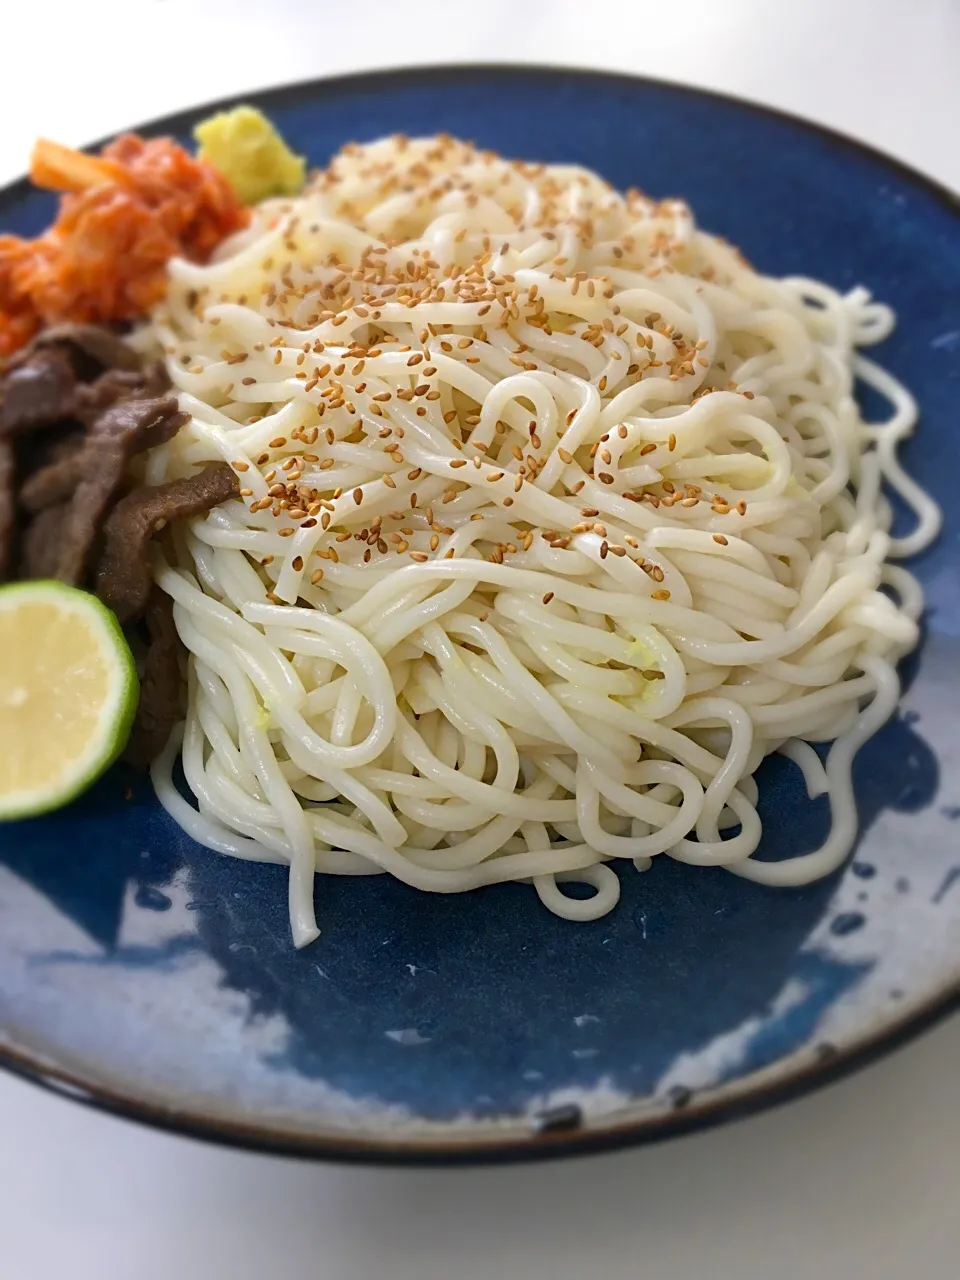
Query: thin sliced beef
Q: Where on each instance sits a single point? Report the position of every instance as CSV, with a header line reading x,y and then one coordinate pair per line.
x,y
156,380
39,392
60,473
40,448
69,371
123,574
57,478
161,685
75,407
128,428
40,542
90,343
93,398
8,505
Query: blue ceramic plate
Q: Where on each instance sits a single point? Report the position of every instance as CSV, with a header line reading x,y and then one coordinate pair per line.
x,y
150,976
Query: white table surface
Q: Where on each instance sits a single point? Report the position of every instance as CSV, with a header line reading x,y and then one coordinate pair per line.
x,y
861,1180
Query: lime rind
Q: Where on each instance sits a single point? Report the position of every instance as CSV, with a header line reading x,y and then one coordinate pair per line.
x,y
115,717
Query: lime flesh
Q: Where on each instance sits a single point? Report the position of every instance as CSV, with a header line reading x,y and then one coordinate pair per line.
x,y
68,695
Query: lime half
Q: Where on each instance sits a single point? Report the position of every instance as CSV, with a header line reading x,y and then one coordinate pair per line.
x,y
68,694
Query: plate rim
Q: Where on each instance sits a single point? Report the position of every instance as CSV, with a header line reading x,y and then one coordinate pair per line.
x,y
748,1095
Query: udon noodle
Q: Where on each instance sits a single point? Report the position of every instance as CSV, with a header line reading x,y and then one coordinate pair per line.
x,y
557,518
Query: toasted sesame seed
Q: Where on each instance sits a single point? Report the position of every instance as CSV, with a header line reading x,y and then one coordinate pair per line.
x,y
660,595
718,537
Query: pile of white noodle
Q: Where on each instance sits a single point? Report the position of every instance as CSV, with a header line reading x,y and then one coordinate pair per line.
x,y
556,519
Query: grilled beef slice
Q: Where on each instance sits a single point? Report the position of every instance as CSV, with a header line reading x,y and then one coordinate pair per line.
x,y
128,428
40,391
123,577
161,685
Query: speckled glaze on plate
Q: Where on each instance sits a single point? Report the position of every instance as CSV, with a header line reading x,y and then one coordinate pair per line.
x,y
152,977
